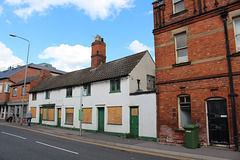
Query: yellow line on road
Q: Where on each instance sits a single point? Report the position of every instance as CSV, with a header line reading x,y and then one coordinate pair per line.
x,y
103,145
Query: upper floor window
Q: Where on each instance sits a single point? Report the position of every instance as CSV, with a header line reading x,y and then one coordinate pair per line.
x,y
184,108
87,89
237,33
14,92
7,88
150,82
34,96
181,47
24,90
178,6
69,92
115,85
47,95
1,87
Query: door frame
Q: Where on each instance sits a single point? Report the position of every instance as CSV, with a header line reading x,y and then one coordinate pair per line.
x,y
130,118
207,124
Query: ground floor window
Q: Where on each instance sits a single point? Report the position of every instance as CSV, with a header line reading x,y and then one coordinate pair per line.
x,y
87,115
69,116
184,107
48,113
115,115
33,110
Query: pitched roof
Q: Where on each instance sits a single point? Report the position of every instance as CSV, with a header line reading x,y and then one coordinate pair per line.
x,y
114,69
28,80
47,67
11,71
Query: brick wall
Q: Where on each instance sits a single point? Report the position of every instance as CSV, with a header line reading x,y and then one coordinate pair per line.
x,y
206,73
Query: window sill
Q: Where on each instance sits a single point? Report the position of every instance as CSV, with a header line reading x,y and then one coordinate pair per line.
x,y
87,95
114,124
179,130
86,123
68,96
114,91
181,64
178,13
68,124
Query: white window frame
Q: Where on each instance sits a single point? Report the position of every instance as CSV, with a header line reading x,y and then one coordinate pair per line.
x,y
235,34
174,3
14,92
180,48
180,105
7,88
1,88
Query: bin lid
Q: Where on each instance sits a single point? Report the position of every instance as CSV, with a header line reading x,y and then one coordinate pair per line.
x,y
190,126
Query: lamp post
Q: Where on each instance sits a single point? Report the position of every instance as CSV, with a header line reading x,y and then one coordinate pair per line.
x,y
24,86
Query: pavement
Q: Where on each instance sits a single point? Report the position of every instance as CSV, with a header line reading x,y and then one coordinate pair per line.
x,y
111,141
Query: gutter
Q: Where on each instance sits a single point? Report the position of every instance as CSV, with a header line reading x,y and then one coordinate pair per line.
x,y
232,94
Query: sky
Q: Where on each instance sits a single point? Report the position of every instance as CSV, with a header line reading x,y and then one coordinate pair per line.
x,y
61,31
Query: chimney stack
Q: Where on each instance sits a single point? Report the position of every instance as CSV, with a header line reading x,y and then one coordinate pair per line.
x,y
98,52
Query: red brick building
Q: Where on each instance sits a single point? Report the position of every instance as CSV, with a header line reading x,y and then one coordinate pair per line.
x,y
197,52
12,79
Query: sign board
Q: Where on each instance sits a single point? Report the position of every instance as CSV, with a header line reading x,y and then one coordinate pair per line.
x,y
80,115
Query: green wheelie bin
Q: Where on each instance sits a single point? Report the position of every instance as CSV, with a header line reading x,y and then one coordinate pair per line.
x,y
191,136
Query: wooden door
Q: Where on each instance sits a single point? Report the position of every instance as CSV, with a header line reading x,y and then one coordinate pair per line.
x,y
218,122
134,122
101,120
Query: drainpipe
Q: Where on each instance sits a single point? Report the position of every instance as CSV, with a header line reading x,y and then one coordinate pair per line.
x,y
232,94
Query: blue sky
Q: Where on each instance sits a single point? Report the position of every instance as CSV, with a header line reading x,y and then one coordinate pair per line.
x,y
61,31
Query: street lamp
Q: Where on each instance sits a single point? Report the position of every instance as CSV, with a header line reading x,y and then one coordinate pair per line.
x,y
24,86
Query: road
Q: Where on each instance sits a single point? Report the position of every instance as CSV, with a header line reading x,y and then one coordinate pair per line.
x,y
21,144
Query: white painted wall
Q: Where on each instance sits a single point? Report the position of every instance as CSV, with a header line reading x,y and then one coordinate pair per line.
x,y
147,113
145,67
101,97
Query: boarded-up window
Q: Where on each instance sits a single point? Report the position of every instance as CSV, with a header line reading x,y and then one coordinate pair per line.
x,y
33,110
114,115
51,114
69,115
48,113
87,115
44,110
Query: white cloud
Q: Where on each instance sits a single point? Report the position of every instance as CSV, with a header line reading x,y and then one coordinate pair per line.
x,y
136,46
67,58
93,8
150,12
7,58
1,10
9,22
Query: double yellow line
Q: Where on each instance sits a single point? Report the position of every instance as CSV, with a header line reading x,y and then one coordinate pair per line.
x,y
99,144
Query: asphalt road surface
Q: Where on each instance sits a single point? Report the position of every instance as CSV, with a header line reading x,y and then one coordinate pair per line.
x,y
20,144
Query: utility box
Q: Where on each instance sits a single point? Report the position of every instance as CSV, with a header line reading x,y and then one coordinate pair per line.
x,y
191,136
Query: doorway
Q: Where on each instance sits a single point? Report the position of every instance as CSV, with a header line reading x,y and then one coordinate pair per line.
x,y
218,122
134,122
40,115
101,120
59,116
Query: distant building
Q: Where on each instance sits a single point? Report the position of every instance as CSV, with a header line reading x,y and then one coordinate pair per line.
x,y
197,51
118,96
11,100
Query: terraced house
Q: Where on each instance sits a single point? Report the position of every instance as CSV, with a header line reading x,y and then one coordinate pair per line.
x,y
117,97
197,45
11,86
